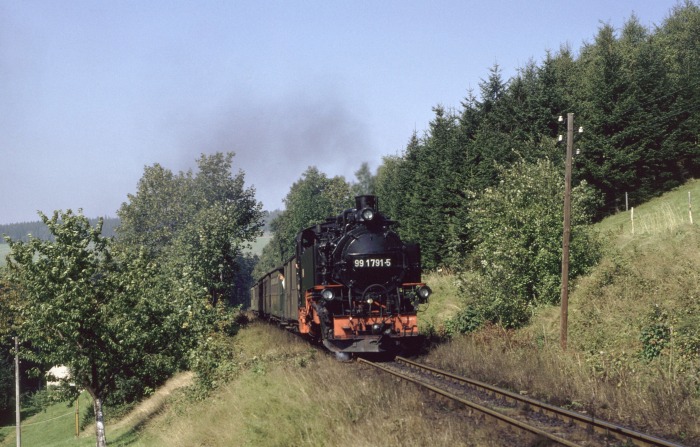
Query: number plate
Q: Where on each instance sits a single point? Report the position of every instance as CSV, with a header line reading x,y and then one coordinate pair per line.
x,y
373,263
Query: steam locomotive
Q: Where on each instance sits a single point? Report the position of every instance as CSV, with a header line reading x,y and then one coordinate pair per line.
x,y
352,284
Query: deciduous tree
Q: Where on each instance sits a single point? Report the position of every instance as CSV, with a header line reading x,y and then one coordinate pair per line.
x,y
196,225
310,200
517,227
103,315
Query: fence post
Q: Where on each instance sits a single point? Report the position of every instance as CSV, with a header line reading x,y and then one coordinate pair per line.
x,y
690,210
632,217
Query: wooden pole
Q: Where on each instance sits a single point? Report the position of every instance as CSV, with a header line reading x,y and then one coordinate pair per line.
x,y
77,416
567,232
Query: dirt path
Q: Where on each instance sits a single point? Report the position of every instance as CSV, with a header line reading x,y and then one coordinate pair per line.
x,y
151,406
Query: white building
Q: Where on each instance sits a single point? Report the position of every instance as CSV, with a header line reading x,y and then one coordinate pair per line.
x,y
56,374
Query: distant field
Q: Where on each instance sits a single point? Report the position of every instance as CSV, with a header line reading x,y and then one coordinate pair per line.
x,y
4,250
256,249
260,243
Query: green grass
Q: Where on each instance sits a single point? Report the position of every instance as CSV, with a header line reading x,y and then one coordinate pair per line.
x,y
259,243
52,427
55,426
658,216
444,303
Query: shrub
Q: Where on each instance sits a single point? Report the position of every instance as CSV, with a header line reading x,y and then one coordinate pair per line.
x,y
517,247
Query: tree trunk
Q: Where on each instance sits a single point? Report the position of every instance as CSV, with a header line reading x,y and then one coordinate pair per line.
x,y
99,422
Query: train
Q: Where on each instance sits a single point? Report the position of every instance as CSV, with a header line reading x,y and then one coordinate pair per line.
x,y
352,285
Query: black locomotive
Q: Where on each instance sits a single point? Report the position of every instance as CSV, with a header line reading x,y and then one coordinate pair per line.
x,y
353,284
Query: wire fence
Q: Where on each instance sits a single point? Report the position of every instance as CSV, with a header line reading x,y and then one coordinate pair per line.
x,y
28,424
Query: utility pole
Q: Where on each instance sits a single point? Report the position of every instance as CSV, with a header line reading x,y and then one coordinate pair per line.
x,y
17,413
567,231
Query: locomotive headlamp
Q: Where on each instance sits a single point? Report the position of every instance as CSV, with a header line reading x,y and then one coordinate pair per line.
x,y
424,292
367,214
327,294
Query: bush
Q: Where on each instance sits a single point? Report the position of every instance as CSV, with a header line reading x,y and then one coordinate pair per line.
x,y
517,247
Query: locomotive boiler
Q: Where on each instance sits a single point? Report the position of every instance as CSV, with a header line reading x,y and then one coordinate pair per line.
x,y
352,284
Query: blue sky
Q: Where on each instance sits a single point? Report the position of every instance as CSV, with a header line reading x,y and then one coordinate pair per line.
x,y
91,92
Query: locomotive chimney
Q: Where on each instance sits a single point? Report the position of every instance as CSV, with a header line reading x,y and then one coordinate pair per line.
x,y
362,202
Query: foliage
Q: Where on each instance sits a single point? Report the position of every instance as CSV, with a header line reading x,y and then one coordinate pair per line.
x,y
196,226
634,92
656,335
97,311
365,181
467,320
517,246
310,200
11,303
124,316
214,363
388,186
672,332
7,383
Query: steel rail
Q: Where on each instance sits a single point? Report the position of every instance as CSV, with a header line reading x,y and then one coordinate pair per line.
x,y
599,425
480,408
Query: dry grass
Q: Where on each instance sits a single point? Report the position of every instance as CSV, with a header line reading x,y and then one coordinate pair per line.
x,y
604,372
289,394
647,400
150,407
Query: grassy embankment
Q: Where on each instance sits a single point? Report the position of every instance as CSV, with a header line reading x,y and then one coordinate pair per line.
x,y
634,329
53,425
285,393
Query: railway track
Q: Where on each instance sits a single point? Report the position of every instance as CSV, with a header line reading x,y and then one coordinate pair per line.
x,y
556,424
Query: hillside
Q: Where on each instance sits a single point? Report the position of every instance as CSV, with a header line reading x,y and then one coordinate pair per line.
x,y
633,327
605,371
